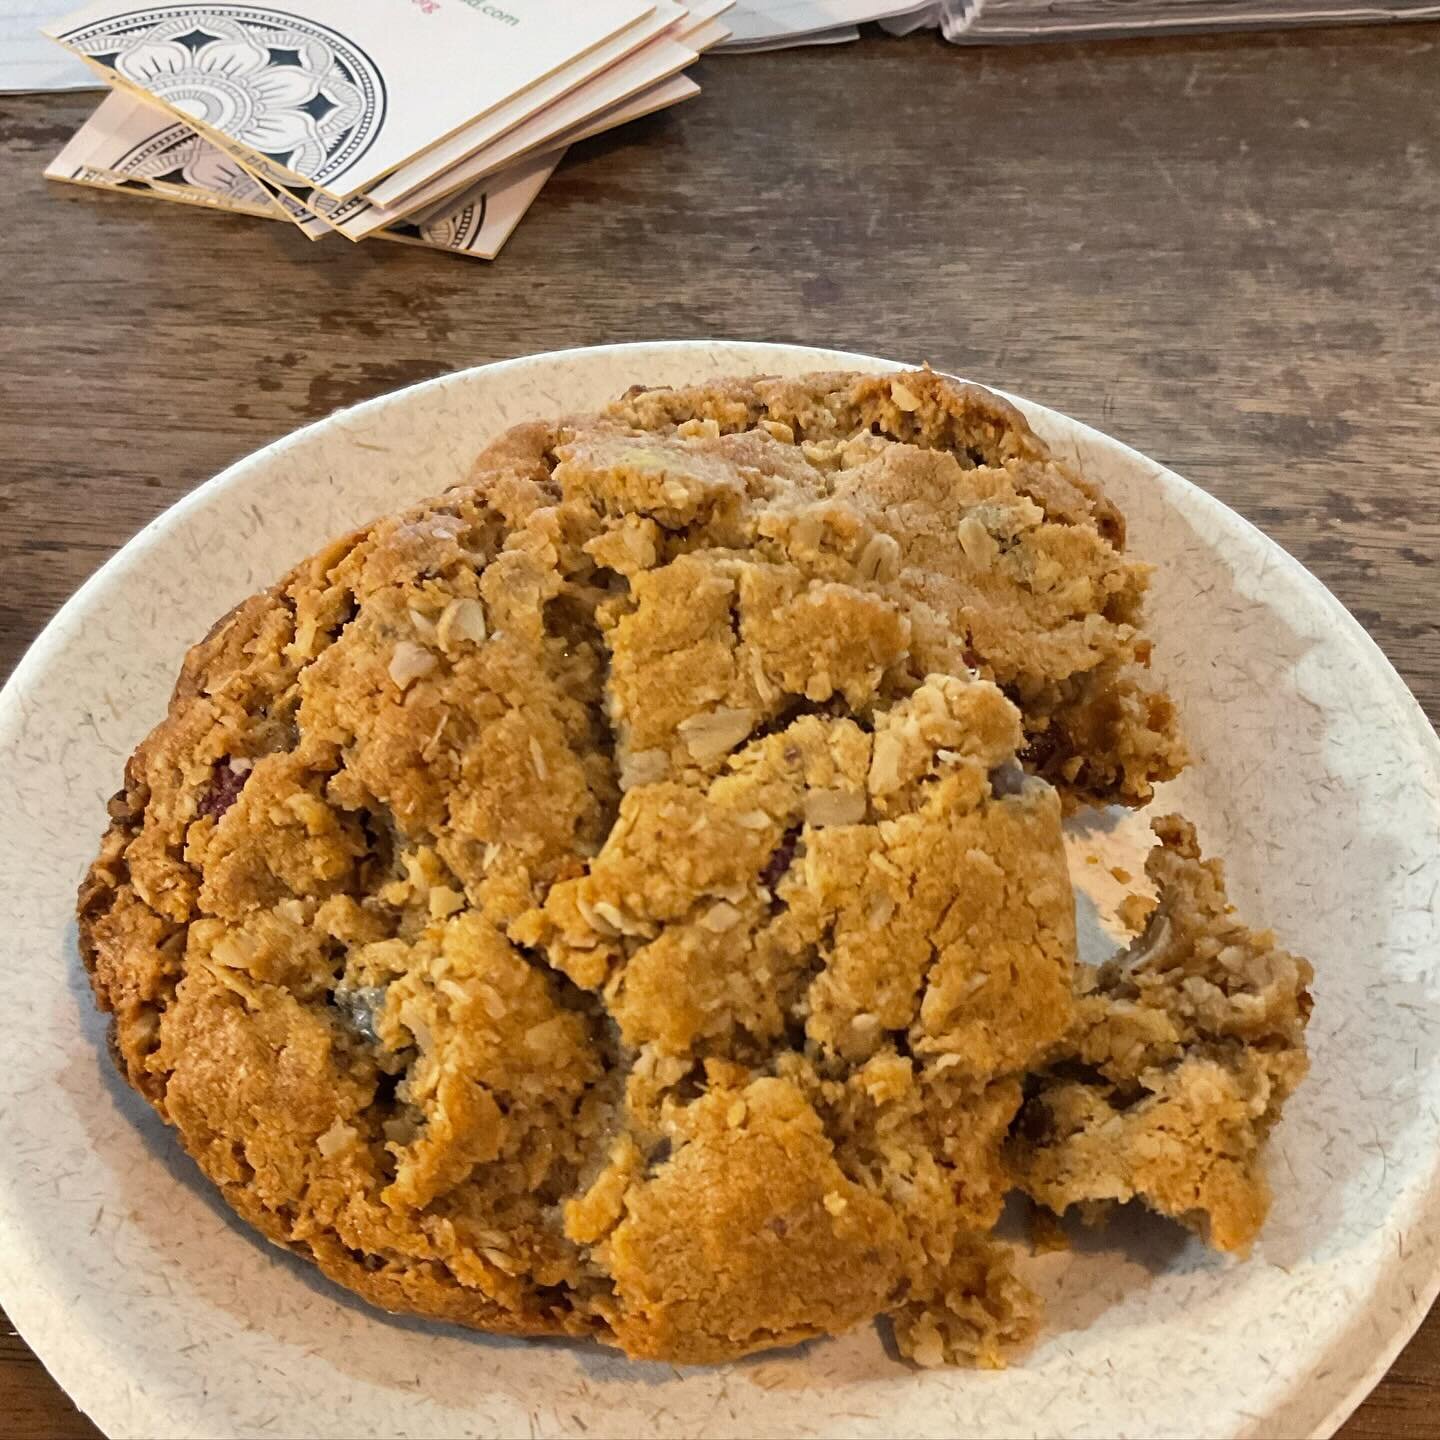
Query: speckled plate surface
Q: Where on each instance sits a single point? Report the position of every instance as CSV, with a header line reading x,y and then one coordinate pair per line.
x,y
1317,778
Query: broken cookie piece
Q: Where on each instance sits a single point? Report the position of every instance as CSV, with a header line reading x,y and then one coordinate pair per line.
x,y
1182,1052
975,1311
1012,561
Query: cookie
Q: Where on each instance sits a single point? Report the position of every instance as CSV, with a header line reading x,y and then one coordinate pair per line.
x,y
609,899
1182,1052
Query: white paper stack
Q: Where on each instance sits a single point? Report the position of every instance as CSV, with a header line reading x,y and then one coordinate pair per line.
x,y
782,24
776,24
984,22
428,122
28,59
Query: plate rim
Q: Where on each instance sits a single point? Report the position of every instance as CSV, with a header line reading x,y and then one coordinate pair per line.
x,y
1404,1321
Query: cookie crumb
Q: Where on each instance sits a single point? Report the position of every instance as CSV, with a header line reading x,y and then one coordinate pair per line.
x,y
1046,1234
1134,910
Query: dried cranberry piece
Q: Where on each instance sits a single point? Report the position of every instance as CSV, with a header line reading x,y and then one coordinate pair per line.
x,y
226,784
778,863
1034,1123
1041,749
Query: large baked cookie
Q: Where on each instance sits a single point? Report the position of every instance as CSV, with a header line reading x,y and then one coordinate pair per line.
x,y
606,900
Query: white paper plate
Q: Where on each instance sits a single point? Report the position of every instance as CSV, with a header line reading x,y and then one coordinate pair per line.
x,y
1318,779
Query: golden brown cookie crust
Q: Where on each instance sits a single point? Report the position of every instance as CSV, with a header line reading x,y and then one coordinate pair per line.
x,y
604,899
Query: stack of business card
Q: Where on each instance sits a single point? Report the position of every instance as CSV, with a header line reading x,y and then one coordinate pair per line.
x,y
430,122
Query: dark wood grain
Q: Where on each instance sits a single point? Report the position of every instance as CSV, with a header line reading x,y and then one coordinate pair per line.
x,y
32,1405
1223,251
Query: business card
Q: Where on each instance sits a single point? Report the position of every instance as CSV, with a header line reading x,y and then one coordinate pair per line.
x,y
338,93
130,146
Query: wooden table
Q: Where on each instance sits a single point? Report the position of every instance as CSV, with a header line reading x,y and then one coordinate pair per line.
x,y
1225,251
